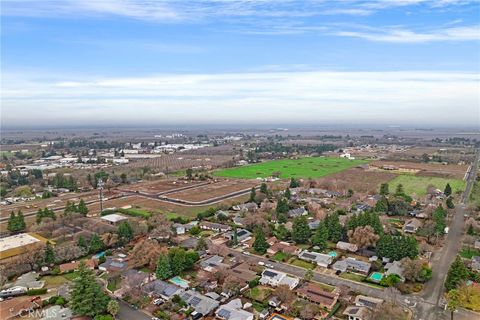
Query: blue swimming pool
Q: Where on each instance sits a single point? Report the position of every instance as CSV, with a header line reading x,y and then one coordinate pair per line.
x,y
180,282
332,254
376,276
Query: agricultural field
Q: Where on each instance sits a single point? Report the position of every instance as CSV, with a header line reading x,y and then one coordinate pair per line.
x,y
357,179
175,162
310,167
418,185
212,190
155,187
423,169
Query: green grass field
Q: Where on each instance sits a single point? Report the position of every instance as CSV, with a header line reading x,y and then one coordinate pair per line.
x,y
314,167
418,185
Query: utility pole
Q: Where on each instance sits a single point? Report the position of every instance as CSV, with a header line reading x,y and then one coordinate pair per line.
x,y
100,185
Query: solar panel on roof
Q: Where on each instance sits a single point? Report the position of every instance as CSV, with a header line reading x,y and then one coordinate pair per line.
x,y
354,310
241,233
224,313
309,256
169,291
195,301
269,273
187,296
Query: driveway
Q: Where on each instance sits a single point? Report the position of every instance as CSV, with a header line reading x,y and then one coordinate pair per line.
x,y
128,313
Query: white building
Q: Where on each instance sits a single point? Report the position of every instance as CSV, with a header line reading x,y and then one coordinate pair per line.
x,y
277,278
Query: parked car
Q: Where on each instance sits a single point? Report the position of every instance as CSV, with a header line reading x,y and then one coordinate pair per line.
x,y
261,263
158,302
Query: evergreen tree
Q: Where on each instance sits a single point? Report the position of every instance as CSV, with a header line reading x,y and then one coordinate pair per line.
x,y
448,190
300,230
384,189
82,207
253,195
235,236
177,258
397,247
49,257
21,221
96,244
87,297
381,205
320,237
282,206
399,189
125,233
335,229
260,244
264,189
82,243
16,222
12,220
164,270
457,273
294,183
281,232
449,203
123,177
288,194
439,217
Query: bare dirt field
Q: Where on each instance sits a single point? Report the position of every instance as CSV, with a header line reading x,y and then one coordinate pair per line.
x,y
178,161
213,190
357,179
424,169
155,187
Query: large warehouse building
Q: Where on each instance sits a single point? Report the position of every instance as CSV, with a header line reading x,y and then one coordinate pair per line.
x,y
20,243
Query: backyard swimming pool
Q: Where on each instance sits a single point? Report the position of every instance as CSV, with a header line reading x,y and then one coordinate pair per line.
x,y
332,254
376,276
180,282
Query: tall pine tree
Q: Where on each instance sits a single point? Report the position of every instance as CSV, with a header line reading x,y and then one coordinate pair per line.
x,y
87,297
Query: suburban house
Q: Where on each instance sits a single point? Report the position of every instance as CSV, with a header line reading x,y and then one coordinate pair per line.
x,y
352,264
114,218
250,206
277,278
211,263
347,246
369,302
202,305
233,311
395,267
242,235
242,273
218,227
476,263
13,309
293,213
162,289
71,266
112,265
314,293
283,247
272,240
356,313
412,225
477,244
135,277
321,259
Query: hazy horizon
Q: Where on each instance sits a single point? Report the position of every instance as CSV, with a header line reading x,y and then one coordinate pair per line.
x,y
72,63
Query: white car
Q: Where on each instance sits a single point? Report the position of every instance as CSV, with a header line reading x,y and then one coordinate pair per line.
x,y
270,266
246,253
261,263
157,302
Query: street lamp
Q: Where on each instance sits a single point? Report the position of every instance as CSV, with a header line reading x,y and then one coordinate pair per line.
x,y
100,185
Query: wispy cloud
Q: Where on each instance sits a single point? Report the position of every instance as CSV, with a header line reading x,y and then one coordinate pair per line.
x,y
401,35
299,96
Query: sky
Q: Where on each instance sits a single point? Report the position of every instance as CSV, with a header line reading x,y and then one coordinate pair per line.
x,y
164,62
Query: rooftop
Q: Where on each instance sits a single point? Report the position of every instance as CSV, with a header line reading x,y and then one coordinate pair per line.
x,y
114,217
8,244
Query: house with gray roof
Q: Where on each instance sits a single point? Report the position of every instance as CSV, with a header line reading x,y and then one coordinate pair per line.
x,y
276,278
210,263
322,260
112,265
242,235
233,311
293,213
352,264
395,267
202,305
162,289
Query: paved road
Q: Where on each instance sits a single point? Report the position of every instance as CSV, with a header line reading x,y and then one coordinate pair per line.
x,y
128,313
430,302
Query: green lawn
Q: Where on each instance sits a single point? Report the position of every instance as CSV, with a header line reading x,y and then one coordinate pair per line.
x,y
136,212
54,280
309,167
468,253
352,276
302,264
113,284
280,256
71,275
258,293
418,185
